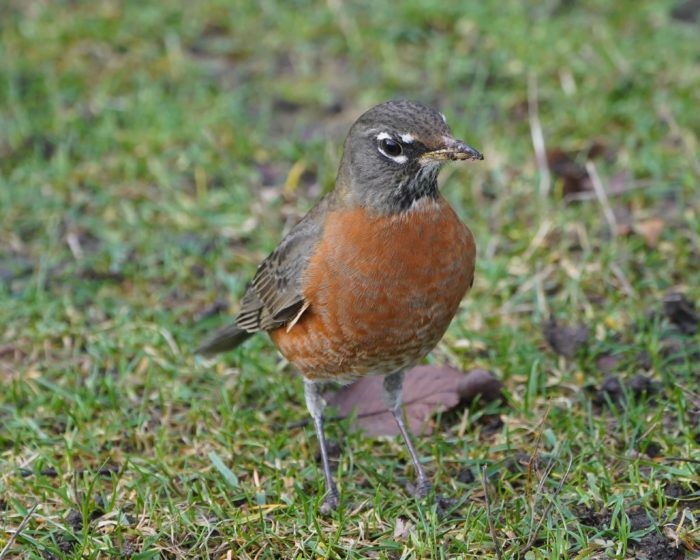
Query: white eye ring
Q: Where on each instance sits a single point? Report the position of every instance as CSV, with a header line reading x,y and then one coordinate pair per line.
x,y
387,146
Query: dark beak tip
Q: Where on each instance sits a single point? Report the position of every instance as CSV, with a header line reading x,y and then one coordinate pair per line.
x,y
473,153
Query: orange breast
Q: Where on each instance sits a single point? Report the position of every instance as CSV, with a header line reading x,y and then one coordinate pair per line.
x,y
382,291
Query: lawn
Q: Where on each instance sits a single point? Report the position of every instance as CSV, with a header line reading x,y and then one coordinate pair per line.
x,y
152,153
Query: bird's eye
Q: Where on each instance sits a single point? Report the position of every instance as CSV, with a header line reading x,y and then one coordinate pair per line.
x,y
390,147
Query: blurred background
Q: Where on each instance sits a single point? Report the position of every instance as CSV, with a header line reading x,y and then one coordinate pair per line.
x,y
152,153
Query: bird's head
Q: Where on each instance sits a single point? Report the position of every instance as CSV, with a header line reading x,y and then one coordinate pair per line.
x,y
393,154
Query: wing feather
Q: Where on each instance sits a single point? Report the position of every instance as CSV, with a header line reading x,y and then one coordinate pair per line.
x,y
274,297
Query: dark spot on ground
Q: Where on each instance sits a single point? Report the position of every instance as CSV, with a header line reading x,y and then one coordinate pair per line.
x,y
592,516
652,545
614,391
569,169
608,363
465,476
643,359
490,424
652,449
101,275
656,546
610,390
286,105
642,385
639,519
688,11
75,520
676,351
681,312
65,544
573,175
446,507
566,340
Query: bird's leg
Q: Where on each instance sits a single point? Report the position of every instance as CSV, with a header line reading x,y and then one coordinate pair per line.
x,y
316,404
393,388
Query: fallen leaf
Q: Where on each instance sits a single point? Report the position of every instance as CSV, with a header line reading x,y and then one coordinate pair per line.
x,y
402,528
426,390
650,230
573,175
569,168
681,312
566,340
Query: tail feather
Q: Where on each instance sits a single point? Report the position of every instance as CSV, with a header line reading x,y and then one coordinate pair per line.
x,y
226,339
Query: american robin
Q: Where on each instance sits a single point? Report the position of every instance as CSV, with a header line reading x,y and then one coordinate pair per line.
x,y
369,280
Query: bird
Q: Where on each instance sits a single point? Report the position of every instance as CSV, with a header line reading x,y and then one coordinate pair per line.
x,y
370,278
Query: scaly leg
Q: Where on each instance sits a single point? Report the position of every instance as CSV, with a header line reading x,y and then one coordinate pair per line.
x,y
393,388
316,404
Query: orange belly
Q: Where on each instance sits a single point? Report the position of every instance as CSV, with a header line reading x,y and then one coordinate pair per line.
x,y
381,290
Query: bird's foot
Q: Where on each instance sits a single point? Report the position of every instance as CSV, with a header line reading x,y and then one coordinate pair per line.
x,y
421,489
330,503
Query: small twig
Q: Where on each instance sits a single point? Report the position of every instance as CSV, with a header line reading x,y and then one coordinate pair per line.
x,y
626,286
537,135
13,537
73,242
602,196
682,460
492,529
533,534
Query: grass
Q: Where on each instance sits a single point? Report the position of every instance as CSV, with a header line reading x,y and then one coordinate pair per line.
x,y
151,153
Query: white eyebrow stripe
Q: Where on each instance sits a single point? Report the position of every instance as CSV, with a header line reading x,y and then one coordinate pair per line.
x,y
407,138
398,159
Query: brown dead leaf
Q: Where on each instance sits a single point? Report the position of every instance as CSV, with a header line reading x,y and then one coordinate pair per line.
x,y
426,390
573,175
566,340
651,230
569,168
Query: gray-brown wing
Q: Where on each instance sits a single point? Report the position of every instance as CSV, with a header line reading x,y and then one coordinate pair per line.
x,y
274,296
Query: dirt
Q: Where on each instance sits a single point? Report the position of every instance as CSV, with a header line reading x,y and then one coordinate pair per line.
x,y
681,312
615,390
653,545
566,340
465,476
